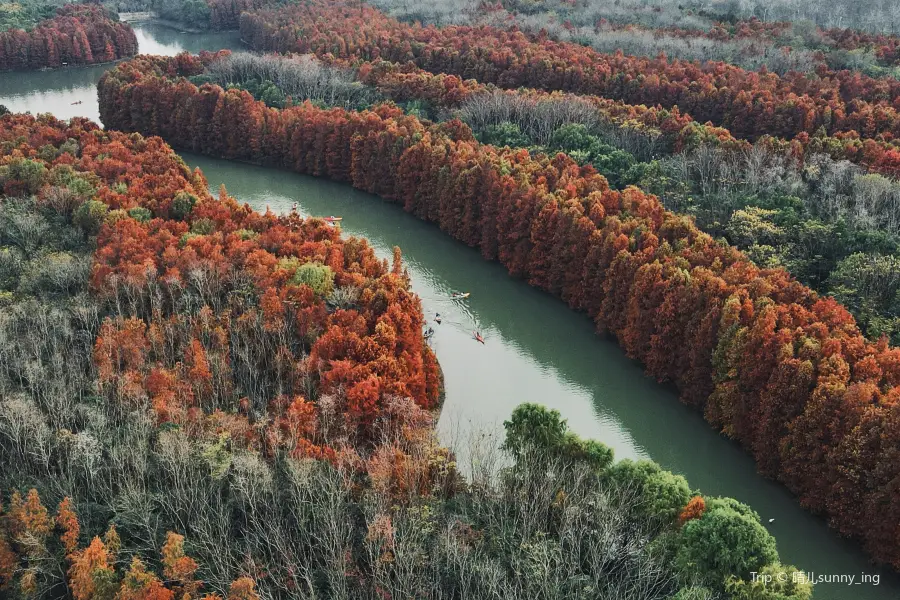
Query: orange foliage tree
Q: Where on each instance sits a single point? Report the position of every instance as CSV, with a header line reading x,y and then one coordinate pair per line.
x,y
79,34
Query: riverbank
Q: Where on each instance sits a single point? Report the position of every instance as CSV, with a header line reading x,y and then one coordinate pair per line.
x,y
538,351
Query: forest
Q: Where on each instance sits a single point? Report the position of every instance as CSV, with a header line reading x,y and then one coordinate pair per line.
x,y
25,15
876,17
199,400
216,15
209,402
822,219
749,103
72,35
768,361
750,38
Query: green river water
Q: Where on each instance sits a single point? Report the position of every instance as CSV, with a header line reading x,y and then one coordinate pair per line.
x,y
536,349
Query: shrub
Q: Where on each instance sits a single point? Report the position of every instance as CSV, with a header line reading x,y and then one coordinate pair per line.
x,y
54,273
203,226
182,205
728,539
11,265
660,495
90,215
140,214
534,428
22,177
183,240
317,276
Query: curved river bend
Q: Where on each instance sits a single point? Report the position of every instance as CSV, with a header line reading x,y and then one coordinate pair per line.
x,y
536,349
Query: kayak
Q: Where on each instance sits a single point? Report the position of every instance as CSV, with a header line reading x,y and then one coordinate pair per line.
x,y
332,219
478,337
461,296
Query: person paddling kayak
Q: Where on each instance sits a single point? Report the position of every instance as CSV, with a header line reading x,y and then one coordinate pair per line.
x,y
437,318
459,295
478,336
428,333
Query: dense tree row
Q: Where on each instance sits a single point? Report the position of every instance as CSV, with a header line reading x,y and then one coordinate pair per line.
x,y
748,44
154,377
886,48
781,369
647,132
198,15
750,104
881,46
819,218
77,35
869,15
779,45
670,130
679,31
784,204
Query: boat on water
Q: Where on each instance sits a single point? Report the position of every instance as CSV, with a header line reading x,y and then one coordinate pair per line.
x,y
332,219
460,295
478,337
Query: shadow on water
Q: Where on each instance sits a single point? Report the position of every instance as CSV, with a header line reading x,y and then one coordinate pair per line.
x,y
537,350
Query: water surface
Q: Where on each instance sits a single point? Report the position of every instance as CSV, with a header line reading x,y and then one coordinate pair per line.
x,y
57,91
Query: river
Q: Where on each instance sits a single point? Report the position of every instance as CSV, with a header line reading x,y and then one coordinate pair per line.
x,y
57,91
535,350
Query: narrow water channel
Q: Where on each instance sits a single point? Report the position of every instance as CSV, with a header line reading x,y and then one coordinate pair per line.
x,y
72,92
536,349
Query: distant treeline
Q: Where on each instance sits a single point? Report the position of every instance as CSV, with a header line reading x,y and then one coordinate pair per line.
x,y
77,34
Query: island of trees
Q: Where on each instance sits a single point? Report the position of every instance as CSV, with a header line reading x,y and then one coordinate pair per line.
x,y
36,36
